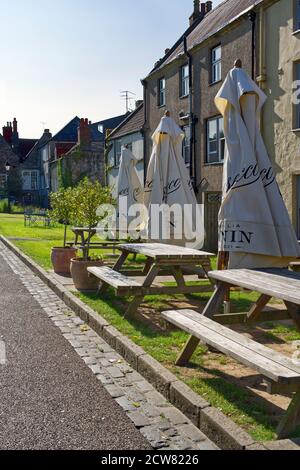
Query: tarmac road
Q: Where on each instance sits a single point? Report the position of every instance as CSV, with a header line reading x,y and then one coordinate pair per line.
x,y
49,398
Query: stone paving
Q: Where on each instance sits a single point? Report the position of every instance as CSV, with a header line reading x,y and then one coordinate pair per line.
x,y
160,423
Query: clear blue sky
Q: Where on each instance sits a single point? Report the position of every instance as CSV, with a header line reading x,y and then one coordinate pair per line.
x,y
62,58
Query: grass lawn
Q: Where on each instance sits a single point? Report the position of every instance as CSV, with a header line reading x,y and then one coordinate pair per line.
x,y
232,399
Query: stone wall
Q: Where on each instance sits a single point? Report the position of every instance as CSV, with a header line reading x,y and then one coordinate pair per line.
x,y
282,51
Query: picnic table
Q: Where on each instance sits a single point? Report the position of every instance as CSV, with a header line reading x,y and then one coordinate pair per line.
x,y
281,373
83,237
159,261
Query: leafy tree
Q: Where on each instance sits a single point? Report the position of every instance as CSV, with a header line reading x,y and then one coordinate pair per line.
x,y
90,196
64,208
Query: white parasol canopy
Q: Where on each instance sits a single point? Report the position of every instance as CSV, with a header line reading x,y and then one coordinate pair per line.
x,y
254,224
169,185
130,191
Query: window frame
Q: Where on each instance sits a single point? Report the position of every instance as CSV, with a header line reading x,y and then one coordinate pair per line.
x,y
184,82
161,92
296,107
33,187
296,16
3,181
117,153
219,140
214,64
186,146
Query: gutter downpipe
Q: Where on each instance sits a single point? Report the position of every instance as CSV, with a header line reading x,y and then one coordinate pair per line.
x,y
144,133
252,17
193,171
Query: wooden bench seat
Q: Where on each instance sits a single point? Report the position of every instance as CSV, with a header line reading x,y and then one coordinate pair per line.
x,y
122,284
281,372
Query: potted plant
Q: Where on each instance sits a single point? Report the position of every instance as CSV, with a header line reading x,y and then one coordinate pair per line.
x,y
63,204
90,196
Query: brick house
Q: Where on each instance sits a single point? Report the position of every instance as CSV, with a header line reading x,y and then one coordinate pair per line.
x,y
130,133
186,80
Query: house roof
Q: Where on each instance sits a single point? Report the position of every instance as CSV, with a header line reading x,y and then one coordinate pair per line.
x,y
214,21
6,155
132,123
69,133
25,146
46,137
110,124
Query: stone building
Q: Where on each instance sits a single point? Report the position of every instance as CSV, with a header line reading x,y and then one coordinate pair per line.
x,y
24,170
33,174
130,133
279,71
186,80
77,151
6,156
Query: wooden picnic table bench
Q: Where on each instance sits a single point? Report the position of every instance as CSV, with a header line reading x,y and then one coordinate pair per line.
x,y
83,240
160,260
281,373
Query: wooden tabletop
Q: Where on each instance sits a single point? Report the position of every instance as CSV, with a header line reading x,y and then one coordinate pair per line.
x,y
161,251
278,283
83,229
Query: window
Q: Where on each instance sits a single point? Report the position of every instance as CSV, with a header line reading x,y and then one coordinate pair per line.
x,y
298,206
118,152
297,103
162,92
296,15
216,64
3,180
186,146
215,140
184,81
30,180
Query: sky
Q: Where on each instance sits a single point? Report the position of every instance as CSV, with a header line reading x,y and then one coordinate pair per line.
x,y
63,58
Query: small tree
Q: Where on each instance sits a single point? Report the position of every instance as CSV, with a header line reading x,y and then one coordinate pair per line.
x,y
64,206
90,196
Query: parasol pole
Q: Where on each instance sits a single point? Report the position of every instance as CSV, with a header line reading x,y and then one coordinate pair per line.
x,y
223,256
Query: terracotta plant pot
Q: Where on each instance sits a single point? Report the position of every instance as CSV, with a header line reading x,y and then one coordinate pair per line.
x,y
61,259
80,275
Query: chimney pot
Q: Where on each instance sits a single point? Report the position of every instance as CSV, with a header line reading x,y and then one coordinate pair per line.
x,y
208,6
203,9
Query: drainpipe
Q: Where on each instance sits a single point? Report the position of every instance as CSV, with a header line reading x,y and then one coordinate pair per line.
x,y
252,18
193,170
144,133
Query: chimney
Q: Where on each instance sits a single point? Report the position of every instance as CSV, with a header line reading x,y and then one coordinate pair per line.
x,y
15,126
138,103
208,6
8,133
198,12
84,133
